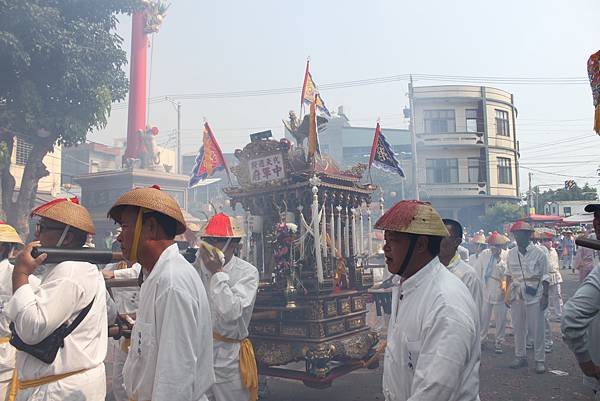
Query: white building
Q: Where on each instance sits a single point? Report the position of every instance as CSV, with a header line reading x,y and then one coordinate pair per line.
x,y
467,149
566,208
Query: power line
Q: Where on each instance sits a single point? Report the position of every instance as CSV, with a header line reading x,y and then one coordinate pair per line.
x,y
557,174
375,81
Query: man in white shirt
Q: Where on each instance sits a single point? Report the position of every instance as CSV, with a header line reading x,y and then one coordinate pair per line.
x,y
433,346
126,300
8,240
555,304
450,258
527,282
232,284
479,244
580,324
66,290
492,265
170,357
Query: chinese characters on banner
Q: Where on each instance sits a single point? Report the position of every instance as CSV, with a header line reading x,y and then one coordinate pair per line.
x,y
266,168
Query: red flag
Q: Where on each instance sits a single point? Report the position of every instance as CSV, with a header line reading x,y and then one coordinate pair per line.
x,y
310,94
382,154
209,160
375,142
313,138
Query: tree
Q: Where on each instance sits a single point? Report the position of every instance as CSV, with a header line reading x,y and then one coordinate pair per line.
x,y
500,214
562,194
60,70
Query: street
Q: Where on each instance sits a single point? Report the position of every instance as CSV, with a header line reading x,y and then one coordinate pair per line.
x,y
497,381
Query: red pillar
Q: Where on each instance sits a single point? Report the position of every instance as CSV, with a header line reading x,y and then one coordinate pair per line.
x,y
137,86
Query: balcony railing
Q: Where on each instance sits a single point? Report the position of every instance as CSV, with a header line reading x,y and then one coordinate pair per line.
x,y
456,189
450,138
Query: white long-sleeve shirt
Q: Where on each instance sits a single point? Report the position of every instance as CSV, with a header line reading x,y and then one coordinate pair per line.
x,y
65,289
554,275
126,298
492,293
7,351
232,293
170,357
580,324
470,278
433,348
531,268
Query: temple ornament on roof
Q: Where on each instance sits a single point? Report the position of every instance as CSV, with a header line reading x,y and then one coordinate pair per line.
x,y
155,12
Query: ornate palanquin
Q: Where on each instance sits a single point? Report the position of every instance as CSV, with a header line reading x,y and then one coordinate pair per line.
x,y
306,235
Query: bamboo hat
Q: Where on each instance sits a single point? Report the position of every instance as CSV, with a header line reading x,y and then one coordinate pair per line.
x,y
222,226
413,217
497,239
150,199
9,234
521,226
68,212
478,238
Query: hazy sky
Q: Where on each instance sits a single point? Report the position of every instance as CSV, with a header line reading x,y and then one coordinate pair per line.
x,y
230,46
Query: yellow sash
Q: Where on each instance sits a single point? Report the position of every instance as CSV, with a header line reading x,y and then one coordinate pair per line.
x,y
248,370
16,385
4,340
25,384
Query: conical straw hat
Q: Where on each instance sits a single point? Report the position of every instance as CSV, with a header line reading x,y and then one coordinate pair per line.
x,y
9,234
413,217
223,226
497,239
521,226
67,211
151,198
478,238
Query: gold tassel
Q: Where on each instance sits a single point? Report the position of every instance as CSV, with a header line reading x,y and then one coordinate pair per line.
x,y
597,120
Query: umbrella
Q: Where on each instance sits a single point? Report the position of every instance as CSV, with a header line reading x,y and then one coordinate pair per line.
x,y
580,218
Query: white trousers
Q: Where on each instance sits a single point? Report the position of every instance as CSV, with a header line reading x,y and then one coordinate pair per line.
x,y
119,357
4,386
555,302
229,391
528,318
500,311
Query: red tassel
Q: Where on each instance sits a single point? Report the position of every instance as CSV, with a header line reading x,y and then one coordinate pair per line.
x,y
48,205
155,186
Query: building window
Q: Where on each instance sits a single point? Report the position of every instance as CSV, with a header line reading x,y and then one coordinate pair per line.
x,y
502,123
439,121
472,120
474,163
442,171
23,151
567,211
504,171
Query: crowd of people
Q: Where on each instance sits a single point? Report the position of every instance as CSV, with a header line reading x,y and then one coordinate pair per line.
x,y
190,337
515,277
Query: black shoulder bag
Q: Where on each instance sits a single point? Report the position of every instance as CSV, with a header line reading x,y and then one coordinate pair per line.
x,y
47,349
531,291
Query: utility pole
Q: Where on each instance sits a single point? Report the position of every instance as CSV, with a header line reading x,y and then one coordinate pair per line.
x,y
529,194
178,137
413,137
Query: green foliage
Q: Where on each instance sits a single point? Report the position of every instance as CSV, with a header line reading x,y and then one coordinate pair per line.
x,y
576,193
500,214
61,66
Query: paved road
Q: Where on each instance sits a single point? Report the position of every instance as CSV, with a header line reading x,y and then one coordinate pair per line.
x,y
497,382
